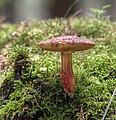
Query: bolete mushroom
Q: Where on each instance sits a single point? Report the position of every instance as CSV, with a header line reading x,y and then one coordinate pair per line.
x,y
66,45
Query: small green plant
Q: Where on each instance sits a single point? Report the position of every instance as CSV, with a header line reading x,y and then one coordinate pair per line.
x,y
100,12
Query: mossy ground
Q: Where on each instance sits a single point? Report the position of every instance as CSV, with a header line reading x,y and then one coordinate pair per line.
x,y
31,86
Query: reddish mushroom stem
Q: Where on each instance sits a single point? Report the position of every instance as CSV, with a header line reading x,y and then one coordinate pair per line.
x,y
68,79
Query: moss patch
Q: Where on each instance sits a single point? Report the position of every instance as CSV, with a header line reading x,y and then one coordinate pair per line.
x,y
31,87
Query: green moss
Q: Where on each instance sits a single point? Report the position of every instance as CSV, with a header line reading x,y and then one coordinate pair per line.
x,y
32,88
5,32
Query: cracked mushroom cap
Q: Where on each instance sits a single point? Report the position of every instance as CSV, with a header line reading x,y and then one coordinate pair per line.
x,y
66,43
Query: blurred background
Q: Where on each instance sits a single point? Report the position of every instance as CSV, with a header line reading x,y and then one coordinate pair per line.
x,y
15,11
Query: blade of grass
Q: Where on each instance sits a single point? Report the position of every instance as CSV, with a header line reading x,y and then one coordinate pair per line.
x,y
109,104
70,7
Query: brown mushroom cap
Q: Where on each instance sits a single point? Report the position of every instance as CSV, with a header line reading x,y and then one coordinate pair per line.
x,y
66,43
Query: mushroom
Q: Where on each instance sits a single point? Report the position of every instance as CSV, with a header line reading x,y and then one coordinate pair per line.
x,y
66,45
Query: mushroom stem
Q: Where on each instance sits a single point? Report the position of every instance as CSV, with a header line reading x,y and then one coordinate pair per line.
x,y
68,79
